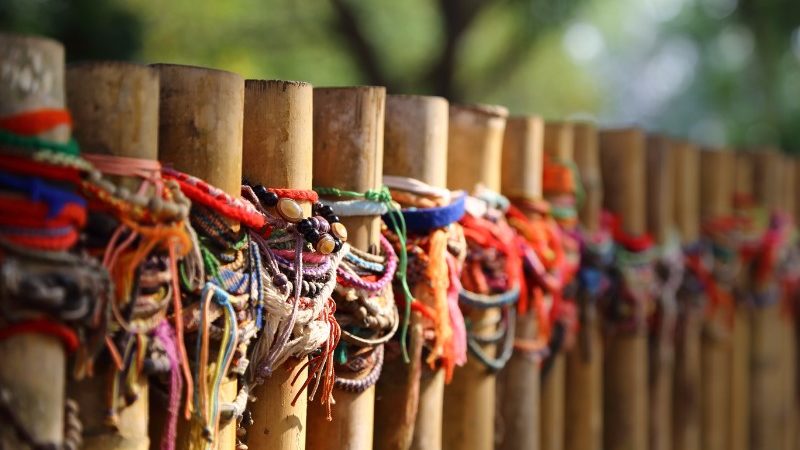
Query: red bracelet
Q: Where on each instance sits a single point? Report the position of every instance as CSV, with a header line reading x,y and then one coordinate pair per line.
x,y
26,166
298,195
43,326
36,122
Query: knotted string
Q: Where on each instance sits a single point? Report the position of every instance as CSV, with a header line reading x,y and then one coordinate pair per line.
x,y
398,223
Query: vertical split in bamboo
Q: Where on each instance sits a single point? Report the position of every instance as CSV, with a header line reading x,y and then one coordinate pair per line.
x,y
661,225
558,146
200,133
518,383
686,405
768,418
348,154
115,110
277,152
408,407
625,411
33,79
583,401
475,141
716,194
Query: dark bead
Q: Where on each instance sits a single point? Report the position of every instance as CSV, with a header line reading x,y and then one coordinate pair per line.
x,y
325,211
266,197
332,218
322,225
305,225
337,246
316,207
280,280
312,236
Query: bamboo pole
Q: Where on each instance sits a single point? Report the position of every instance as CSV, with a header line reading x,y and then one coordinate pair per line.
x,y
686,418
408,407
200,133
348,154
32,78
115,110
583,402
788,322
741,344
625,412
475,141
660,223
277,152
518,384
767,414
716,192
558,145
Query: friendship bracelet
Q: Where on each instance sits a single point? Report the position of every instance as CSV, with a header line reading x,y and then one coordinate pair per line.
x,y
10,139
30,123
422,221
415,186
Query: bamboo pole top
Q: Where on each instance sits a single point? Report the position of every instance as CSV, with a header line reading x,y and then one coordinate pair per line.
x,y
200,123
475,142
717,174
32,78
587,158
768,178
660,188
348,137
521,169
559,140
415,138
789,195
743,173
115,107
277,140
348,149
686,175
622,161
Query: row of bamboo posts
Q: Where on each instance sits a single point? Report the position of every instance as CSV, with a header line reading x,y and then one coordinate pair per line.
x,y
710,384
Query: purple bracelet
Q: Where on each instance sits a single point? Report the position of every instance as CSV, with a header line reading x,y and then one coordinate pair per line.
x,y
348,279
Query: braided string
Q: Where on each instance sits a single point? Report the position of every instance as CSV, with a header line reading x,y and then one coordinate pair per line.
x,y
397,222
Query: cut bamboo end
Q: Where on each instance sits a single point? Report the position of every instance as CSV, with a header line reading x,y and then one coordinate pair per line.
x,y
660,197
622,160
200,123
687,190
115,108
415,140
521,169
587,158
475,142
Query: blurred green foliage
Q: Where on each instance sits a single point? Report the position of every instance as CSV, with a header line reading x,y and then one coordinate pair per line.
x,y
723,72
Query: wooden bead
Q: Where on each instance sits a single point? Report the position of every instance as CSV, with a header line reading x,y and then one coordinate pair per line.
x,y
339,230
290,210
326,244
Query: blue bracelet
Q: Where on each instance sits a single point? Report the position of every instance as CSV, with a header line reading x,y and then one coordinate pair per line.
x,y
38,190
422,221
